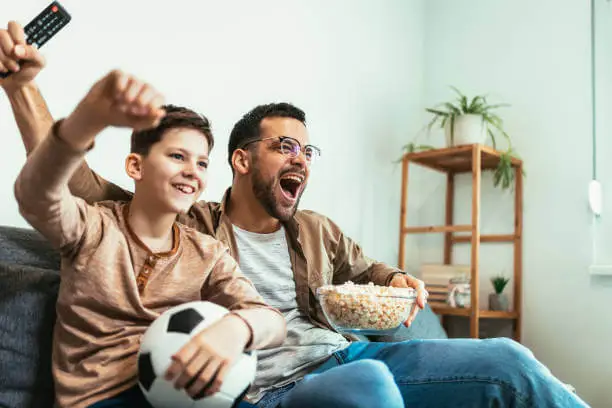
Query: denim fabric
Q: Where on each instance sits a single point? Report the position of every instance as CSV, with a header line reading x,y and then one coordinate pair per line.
x,y
430,373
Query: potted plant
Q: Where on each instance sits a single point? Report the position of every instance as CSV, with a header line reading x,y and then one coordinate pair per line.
x,y
469,121
499,300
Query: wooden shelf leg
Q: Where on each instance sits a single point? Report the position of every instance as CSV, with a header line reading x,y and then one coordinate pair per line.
x,y
518,251
450,198
403,212
476,177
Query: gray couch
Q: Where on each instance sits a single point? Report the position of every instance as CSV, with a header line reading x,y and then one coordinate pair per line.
x,y
29,280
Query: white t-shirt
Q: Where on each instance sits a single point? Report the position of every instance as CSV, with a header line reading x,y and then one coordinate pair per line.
x,y
264,259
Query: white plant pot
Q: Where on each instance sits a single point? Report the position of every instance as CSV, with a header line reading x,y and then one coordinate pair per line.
x,y
469,129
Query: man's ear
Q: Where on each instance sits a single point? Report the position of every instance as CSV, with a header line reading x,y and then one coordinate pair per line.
x,y
133,166
241,161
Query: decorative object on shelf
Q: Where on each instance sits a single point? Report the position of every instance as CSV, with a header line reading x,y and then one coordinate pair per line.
x,y
459,292
467,122
437,277
499,300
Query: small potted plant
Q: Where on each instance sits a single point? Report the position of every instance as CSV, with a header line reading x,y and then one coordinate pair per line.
x,y
469,121
499,300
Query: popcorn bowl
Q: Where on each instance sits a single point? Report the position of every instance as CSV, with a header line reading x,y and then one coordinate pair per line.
x,y
366,309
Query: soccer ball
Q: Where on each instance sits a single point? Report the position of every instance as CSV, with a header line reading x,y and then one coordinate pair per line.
x,y
166,335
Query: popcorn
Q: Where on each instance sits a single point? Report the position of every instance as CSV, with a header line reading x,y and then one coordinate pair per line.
x,y
366,307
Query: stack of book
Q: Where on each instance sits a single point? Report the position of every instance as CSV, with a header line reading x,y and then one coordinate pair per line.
x,y
437,278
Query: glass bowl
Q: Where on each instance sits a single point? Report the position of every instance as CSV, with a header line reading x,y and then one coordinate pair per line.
x,y
366,309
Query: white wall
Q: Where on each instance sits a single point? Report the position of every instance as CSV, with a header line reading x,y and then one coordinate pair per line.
x,y
353,66
602,226
535,56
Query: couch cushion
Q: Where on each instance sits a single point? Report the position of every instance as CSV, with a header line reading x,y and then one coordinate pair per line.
x,y
27,316
27,247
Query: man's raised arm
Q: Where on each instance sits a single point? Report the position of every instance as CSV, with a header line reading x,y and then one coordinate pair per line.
x,y
32,114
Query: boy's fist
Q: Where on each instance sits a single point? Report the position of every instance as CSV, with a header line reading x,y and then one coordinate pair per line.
x,y
119,100
122,100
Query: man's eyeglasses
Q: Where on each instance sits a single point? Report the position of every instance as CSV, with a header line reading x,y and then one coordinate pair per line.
x,y
291,147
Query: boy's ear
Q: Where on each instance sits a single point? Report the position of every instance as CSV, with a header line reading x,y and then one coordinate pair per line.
x,y
133,166
241,161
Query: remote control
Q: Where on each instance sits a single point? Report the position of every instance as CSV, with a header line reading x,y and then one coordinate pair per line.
x,y
44,26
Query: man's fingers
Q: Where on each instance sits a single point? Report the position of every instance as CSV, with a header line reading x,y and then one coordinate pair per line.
x,y
413,313
6,43
6,52
29,54
419,286
16,31
3,68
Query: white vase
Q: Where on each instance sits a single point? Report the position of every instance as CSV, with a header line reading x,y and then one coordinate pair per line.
x,y
469,129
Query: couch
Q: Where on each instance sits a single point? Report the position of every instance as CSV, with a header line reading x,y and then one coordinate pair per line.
x,y
29,281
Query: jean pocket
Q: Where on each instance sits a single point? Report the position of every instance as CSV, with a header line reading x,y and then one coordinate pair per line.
x,y
274,397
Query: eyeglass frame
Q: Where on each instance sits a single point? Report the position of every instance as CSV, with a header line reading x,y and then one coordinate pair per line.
x,y
280,140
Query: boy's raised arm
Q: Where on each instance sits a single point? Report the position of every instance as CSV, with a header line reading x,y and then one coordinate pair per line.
x,y
42,189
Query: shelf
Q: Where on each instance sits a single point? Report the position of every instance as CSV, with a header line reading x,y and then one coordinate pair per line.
x,y
457,159
474,159
440,228
484,314
485,238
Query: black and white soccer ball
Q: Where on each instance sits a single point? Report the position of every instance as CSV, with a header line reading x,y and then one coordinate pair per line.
x,y
166,335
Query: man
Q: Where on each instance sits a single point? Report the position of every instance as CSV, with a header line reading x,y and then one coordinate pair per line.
x,y
289,253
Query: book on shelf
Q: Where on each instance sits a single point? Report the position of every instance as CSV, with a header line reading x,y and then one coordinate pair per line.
x,y
437,278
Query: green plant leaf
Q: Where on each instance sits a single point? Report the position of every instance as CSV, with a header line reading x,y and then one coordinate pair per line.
x,y
437,112
452,130
452,108
477,102
499,283
492,136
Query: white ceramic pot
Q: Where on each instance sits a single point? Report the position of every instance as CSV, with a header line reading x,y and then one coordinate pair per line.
x,y
469,129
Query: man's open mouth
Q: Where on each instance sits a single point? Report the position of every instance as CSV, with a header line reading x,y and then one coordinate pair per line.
x,y
291,184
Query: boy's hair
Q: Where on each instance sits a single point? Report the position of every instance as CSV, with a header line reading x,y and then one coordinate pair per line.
x,y
176,117
247,128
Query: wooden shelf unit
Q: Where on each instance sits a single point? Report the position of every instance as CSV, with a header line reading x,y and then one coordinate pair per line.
x,y
468,159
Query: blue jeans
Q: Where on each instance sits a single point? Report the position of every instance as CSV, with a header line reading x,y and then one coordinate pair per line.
x,y
427,373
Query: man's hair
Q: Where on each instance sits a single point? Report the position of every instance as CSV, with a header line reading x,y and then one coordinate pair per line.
x,y
248,128
176,117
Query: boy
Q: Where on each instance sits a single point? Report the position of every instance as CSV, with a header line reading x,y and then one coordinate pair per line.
x,y
123,264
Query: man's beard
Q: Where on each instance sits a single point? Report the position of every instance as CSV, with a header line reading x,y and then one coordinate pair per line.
x,y
264,192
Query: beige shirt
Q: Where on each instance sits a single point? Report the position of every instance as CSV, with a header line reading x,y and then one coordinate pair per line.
x,y
101,314
319,250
